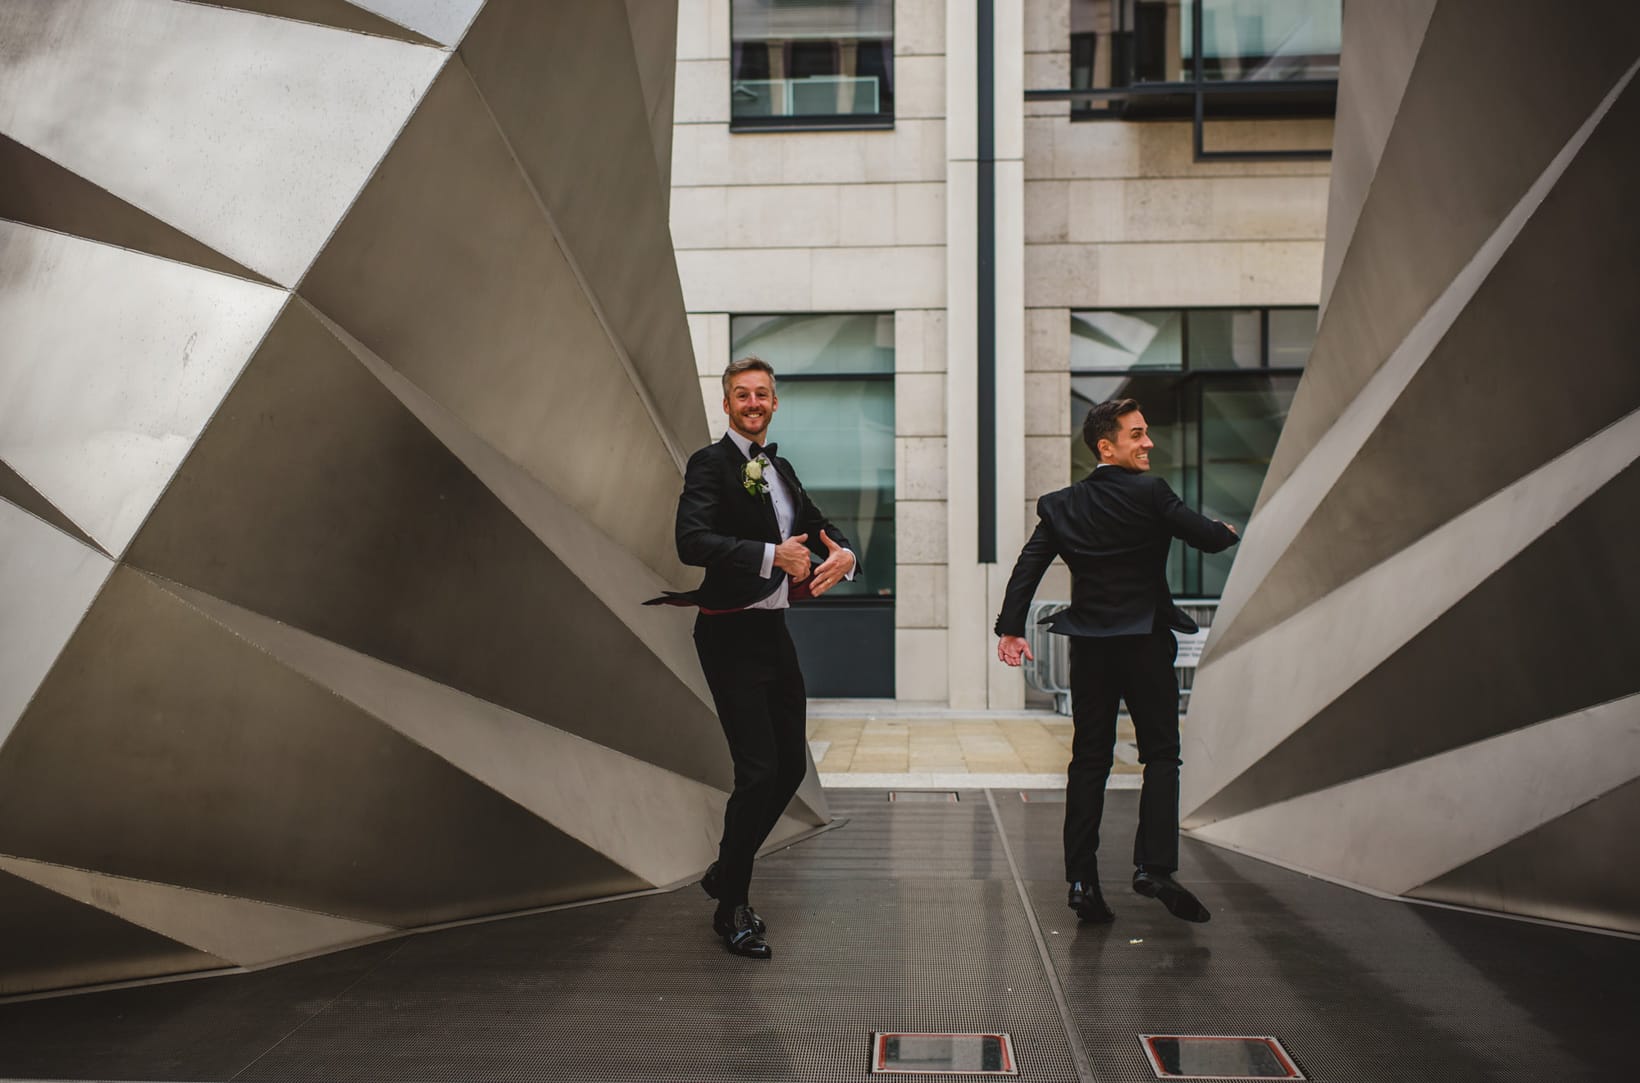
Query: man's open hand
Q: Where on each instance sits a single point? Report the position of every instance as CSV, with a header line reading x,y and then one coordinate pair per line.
x,y
838,563
1012,649
792,557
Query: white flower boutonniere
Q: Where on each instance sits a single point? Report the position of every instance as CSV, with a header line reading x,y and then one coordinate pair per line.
x,y
751,476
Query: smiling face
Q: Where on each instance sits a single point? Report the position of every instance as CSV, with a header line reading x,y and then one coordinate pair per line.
x,y
1130,449
751,403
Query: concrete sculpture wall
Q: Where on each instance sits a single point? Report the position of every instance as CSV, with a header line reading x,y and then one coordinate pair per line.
x,y
1423,677
345,387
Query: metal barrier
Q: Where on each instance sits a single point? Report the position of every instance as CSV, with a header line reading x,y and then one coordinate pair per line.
x,y
1050,670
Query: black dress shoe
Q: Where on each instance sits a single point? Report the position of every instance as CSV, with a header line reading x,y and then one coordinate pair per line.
x,y
1173,895
740,937
1088,903
709,884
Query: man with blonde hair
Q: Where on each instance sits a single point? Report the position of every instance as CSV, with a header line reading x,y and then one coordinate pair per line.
x,y
744,517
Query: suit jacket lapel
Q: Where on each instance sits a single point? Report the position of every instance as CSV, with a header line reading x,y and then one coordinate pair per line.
x,y
737,462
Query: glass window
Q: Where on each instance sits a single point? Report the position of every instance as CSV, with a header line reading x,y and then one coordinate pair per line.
x,y
1119,340
1240,424
811,62
1265,40
1292,335
834,377
1215,409
1150,44
1225,338
810,345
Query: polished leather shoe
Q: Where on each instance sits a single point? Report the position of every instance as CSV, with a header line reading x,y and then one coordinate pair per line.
x,y
709,884
1173,895
1088,903
739,935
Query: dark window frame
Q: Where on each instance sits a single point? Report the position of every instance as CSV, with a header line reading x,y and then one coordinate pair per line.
x,y
1190,385
819,122
1196,97
858,601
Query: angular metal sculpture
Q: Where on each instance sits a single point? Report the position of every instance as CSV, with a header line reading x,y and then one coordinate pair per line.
x,y
345,387
1422,679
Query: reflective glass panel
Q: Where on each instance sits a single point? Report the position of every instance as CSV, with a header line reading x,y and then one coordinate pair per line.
x,y
1292,335
951,1054
1225,338
1250,40
811,345
835,427
1118,340
1240,423
812,58
1188,1057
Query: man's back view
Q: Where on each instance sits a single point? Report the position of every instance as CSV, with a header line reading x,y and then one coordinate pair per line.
x,y
1113,529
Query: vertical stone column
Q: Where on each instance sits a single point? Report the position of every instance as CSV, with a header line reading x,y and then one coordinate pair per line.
x,y
1006,687
995,135
966,578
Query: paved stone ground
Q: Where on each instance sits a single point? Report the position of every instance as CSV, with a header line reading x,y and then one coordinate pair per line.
x,y
861,737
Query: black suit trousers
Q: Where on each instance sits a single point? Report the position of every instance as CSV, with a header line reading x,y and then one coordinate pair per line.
x,y
751,667
1104,671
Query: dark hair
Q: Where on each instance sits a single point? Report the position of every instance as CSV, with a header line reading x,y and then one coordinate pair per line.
x,y
1104,422
746,364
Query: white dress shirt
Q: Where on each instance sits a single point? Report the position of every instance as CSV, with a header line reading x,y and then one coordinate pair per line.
x,y
785,514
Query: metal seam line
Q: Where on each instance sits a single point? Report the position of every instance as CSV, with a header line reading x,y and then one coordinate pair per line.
x,y
1079,1056
985,331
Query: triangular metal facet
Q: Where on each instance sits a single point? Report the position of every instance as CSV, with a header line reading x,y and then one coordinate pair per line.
x,y
245,931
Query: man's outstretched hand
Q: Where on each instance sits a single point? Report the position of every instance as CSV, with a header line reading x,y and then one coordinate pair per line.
x,y
1014,649
838,563
792,557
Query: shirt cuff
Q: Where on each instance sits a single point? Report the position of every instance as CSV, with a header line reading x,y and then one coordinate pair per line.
x,y
768,560
852,567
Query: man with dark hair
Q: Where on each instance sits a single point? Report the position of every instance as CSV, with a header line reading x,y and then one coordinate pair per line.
x,y
1114,528
744,517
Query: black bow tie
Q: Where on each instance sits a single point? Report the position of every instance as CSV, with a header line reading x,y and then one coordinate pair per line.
x,y
754,451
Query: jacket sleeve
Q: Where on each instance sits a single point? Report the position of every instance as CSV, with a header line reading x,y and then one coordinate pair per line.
x,y
698,543
1033,561
1188,525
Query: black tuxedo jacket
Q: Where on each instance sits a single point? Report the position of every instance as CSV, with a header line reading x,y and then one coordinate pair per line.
x,y
1113,528
723,528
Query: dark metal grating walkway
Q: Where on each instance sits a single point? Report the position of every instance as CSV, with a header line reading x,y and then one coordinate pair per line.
x,y
906,919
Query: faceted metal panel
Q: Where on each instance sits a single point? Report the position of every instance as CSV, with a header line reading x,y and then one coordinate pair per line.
x,y
1464,695
1441,185
1547,871
518,307
40,192
441,20
21,494
370,652
654,42
47,582
249,133
197,760
1436,573
605,108
1346,534
54,942
335,13
114,362
244,931
433,574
